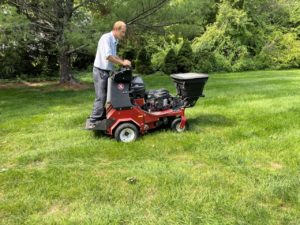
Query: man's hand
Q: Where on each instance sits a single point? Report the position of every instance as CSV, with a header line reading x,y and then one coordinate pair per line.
x,y
126,63
117,60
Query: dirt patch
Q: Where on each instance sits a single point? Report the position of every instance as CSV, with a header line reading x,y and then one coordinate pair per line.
x,y
38,84
48,85
101,173
276,166
37,165
54,209
57,208
151,194
26,84
10,85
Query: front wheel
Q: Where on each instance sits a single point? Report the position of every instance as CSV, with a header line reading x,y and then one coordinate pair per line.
x,y
175,125
126,132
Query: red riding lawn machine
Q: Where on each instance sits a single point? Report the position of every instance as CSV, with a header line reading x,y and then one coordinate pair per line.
x,y
131,110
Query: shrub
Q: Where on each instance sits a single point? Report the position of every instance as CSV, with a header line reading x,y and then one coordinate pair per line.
x,y
205,61
282,51
185,58
162,50
225,44
143,62
170,62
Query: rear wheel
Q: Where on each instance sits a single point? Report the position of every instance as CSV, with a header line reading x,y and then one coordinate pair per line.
x,y
175,125
126,132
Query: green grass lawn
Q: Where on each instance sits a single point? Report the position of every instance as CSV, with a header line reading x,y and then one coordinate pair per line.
x,y
238,164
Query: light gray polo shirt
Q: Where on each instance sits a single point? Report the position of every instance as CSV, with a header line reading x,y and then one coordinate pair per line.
x,y
107,45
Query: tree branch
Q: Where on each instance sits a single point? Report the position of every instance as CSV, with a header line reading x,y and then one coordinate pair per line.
x,y
43,25
76,49
24,5
159,25
145,13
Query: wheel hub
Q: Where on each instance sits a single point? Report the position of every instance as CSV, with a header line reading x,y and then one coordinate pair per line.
x,y
127,135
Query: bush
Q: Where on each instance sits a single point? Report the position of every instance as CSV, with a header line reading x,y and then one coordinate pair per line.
x,y
185,58
157,59
143,62
282,51
205,61
162,50
81,60
225,44
21,60
170,62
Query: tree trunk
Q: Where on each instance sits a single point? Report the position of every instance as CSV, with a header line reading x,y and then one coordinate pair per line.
x,y
65,14
65,69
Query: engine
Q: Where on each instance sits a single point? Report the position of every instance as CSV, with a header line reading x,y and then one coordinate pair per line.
x,y
155,100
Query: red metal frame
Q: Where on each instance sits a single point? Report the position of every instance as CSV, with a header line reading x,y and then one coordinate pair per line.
x,y
143,119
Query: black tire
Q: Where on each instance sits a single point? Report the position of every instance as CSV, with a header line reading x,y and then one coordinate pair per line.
x,y
126,132
175,125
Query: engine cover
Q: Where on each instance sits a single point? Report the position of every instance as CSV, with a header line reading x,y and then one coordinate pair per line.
x,y
157,100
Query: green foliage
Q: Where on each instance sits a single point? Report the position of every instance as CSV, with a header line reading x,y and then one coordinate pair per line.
x,y
170,62
237,42
82,60
294,11
188,19
227,35
14,39
128,53
227,40
163,46
205,61
143,62
21,52
157,59
281,51
185,58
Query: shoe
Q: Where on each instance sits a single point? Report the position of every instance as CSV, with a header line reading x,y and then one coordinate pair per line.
x,y
90,125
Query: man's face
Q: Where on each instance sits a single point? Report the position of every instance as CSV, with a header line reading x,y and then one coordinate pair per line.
x,y
121,33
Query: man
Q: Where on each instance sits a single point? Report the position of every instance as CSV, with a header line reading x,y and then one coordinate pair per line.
x,y
106,57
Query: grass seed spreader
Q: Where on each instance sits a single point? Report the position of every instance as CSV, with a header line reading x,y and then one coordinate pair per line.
x,y
131,110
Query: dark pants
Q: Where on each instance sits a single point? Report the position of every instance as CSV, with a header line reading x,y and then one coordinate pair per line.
x,y
100,83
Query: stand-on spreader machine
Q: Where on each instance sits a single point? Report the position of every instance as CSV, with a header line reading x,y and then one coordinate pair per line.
x,y
131,110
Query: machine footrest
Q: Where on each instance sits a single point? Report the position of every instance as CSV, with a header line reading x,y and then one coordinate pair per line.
x,y
99,125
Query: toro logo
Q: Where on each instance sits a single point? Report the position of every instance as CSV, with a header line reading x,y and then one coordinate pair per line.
x,y
121,87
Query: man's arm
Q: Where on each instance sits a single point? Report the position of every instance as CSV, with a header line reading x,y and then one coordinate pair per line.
x,y
118,60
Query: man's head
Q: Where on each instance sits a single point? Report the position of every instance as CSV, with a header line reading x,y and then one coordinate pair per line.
x,y
119,30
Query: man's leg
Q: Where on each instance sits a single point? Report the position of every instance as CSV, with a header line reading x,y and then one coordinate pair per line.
x,y
100,83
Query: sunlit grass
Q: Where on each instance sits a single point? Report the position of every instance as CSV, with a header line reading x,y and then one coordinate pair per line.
x,y
238,164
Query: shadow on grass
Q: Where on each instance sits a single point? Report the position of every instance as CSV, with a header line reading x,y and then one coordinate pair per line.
x,y
207,120
99,134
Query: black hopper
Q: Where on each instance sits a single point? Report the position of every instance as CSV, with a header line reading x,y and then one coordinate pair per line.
x,y
190,86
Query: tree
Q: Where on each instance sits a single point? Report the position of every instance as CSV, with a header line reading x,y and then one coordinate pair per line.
x,y
143,62
295,16
185,58
247,35
14,41
230,41
53,21
170,61
50,20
